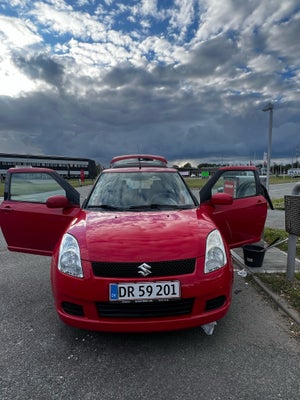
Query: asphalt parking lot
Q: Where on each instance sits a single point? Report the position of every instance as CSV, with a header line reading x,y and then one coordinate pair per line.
x,y
252,353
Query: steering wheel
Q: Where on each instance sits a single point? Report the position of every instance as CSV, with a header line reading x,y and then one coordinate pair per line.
x,y
164,198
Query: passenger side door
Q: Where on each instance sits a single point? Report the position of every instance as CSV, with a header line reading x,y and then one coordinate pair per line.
x,y
234,200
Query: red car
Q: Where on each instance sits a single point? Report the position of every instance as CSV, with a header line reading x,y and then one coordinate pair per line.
x,y
140,254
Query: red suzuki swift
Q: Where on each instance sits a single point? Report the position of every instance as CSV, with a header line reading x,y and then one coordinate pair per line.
x,y
140,254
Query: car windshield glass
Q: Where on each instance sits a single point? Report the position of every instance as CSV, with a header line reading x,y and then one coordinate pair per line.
x,y
140,191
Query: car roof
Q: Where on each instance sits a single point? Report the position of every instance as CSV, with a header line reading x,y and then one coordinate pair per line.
x,y
138,160
29,169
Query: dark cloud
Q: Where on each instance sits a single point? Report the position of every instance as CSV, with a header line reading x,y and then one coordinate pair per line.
x,y
41,67
212,54
128,75
131,115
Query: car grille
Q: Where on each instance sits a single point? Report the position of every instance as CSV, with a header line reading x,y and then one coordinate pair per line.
x,y
145,309
130,270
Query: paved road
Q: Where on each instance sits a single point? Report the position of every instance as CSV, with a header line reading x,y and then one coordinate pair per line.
x,y
251,355
280,190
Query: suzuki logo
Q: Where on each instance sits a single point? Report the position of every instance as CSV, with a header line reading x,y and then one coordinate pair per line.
x,y
144,269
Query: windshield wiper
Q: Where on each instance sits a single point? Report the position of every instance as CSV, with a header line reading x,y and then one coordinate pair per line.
x,y
146,207
155,207
106,207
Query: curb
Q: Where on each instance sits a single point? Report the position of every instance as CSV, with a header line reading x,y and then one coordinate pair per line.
x,y
281,303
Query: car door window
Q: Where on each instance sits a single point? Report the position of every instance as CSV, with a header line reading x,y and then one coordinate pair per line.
x,y
237,184
33,187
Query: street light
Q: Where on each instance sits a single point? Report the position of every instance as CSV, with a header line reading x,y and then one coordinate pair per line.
x,y
269,107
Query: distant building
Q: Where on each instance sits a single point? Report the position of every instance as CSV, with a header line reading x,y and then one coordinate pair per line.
x,y
68,167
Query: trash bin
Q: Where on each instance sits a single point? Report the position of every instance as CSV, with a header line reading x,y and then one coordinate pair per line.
x,y
292,220
254,255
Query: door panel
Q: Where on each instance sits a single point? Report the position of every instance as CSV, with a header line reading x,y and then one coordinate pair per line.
x,y
28,225
242,221
33,228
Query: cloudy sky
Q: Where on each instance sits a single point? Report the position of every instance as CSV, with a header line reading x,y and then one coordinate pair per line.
x,y
182,78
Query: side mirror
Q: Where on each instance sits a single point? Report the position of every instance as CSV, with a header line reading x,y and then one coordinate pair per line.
x,y
221,199
58,202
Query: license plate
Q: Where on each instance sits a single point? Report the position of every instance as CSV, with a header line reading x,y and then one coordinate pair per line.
x,y
144,291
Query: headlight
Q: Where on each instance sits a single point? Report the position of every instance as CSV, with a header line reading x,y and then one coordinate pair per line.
x,y
215,255
69,261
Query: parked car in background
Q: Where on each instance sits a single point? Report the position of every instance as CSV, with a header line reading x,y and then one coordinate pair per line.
x,y
140,254
294,172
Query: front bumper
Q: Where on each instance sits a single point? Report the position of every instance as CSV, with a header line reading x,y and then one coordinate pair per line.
x,y
83,303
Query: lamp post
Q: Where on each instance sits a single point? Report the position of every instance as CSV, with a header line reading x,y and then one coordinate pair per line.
x,y
269,107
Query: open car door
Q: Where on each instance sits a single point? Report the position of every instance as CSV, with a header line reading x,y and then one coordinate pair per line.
x,y
37,208
236,202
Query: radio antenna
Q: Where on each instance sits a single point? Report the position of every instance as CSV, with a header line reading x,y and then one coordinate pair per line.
x,y
138,148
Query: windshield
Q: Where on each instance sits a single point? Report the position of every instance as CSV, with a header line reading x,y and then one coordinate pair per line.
x,y
140,190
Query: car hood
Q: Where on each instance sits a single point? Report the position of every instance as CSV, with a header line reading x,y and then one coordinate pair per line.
x,y
148,236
